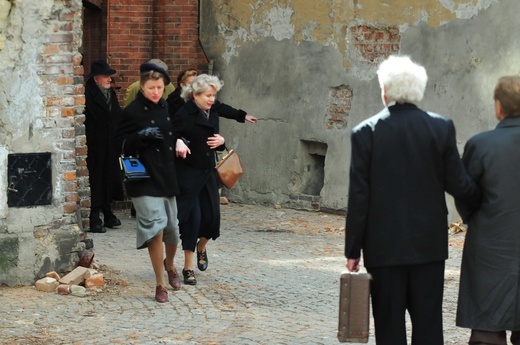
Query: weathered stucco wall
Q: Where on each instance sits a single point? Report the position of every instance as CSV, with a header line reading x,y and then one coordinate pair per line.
x,y
307,70
41,102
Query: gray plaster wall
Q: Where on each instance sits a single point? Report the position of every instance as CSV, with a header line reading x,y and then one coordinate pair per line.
x,y
286,84
36,240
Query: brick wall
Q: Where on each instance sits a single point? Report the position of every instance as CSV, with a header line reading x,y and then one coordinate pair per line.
x,y
338,107
375,43
139,30
176,36
62,78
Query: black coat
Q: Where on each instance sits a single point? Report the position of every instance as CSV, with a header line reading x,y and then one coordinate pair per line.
x,y
102,161
403,160
489,293
197,170
156,155
175,102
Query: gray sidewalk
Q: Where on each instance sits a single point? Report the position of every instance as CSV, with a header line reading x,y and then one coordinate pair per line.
x,y
273,278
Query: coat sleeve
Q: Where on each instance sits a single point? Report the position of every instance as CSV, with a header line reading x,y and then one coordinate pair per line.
x,y
229,112
456,180
359,193
127,135
131,93
467,207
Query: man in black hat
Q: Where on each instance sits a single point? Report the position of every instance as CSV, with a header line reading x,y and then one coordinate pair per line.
x,y
102,112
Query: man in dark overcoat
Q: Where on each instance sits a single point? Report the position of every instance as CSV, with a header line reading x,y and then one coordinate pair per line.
x,y
102,113
489,291
403,161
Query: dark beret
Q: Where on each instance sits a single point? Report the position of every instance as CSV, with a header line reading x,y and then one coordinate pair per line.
x,y
147,66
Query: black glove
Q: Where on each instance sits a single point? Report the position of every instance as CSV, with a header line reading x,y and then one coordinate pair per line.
x,y
151,133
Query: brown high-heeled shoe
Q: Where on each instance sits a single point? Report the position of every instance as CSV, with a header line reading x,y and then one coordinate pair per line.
x,y
173,277
161,295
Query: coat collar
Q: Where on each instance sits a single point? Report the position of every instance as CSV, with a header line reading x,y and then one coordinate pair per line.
x,y
195,111
97,94
509,122
399,106
149,104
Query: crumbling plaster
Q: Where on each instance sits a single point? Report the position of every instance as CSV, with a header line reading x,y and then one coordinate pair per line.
x,y
34,238
325,22
279,59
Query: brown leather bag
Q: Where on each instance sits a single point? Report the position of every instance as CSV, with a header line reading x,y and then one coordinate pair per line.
x,y
354,307
230,169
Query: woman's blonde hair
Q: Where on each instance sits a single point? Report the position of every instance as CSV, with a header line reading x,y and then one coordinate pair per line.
x,y
200,84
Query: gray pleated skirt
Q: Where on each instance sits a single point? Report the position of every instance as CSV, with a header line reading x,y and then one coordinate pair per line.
x,y
154,214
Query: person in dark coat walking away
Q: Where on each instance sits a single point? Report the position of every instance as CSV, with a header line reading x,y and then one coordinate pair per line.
x,y
175,101
146,131
199,202
489,291
403,161
102,113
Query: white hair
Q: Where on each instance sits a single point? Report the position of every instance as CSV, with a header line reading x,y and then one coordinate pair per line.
x,y
200,84
402,79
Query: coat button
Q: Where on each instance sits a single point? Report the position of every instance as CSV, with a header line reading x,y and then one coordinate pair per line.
x,y
153,121
171,148
168,118
145,108
207,154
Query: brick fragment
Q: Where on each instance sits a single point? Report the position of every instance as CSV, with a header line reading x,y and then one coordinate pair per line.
x,y
79,291
63,289
46,284
75,277
94,281
53,275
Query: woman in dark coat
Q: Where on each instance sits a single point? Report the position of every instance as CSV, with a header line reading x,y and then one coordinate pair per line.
x,y
489,292
146,130
175,101
102,112
199,201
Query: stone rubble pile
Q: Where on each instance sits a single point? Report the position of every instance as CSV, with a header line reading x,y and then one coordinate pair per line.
x,y
78,282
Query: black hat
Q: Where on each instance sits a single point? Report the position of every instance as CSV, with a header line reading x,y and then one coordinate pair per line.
x,y
147,66
100,67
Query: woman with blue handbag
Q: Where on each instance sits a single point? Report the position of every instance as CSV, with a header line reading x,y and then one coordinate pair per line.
x,y
146,132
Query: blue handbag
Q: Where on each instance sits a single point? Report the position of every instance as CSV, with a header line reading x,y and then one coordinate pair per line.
x,y
131,167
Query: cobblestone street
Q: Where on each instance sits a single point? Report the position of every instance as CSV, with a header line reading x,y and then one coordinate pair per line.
x,y
273,278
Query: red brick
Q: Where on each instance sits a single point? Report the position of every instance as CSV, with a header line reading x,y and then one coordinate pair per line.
x,y
94,281
69,176
70,208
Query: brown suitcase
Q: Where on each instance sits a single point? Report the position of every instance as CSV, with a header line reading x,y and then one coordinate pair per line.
x,y
354,307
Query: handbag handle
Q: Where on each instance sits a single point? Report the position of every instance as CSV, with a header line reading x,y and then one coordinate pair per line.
x,y
216,153
123,150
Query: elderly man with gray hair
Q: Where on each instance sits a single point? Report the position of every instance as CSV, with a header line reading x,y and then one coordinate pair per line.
x,y
403,161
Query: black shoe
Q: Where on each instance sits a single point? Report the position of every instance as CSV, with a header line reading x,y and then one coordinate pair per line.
x,y
202,259
98,228
112,222
133,213
189,277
